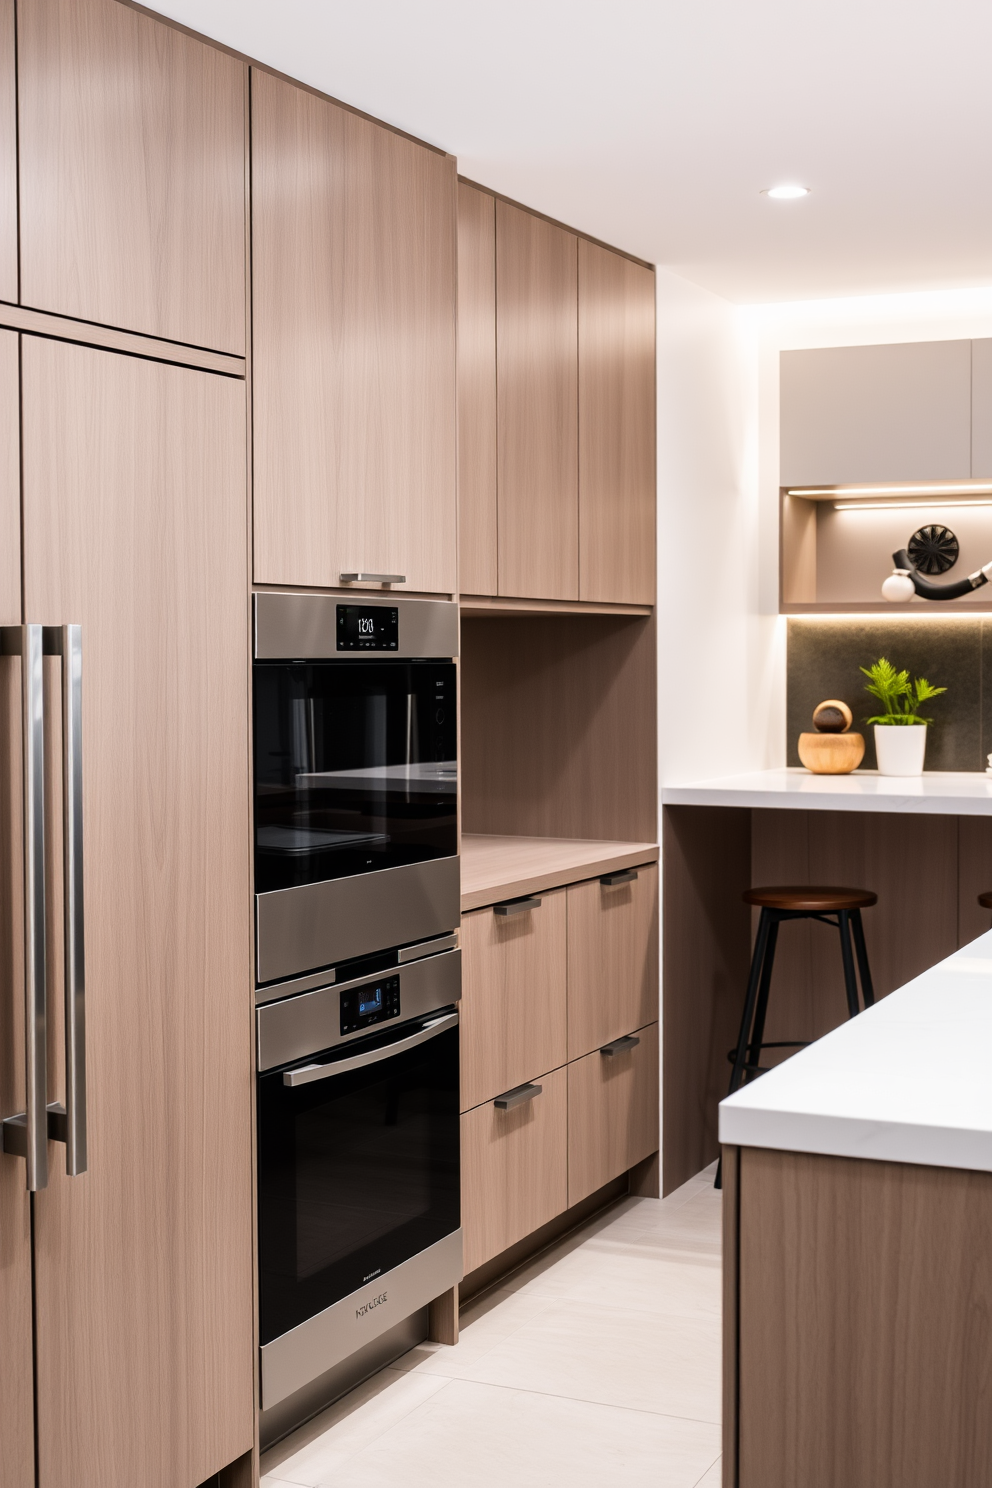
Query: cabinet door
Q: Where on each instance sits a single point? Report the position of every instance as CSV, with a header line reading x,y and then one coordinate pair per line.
x,y
354,379
514,1169
616,428
8,155
513,997
537,389
612,1113
134,527
132,173
476,391
876,413
16,1361
612,958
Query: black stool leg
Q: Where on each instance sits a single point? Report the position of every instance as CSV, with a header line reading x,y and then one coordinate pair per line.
x,y
758,1031
857,931
753,982
850,982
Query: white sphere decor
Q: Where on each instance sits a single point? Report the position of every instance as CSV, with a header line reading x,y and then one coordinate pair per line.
x,y
898,588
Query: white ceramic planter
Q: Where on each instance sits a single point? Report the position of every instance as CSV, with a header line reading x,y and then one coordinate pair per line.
x,y
900,748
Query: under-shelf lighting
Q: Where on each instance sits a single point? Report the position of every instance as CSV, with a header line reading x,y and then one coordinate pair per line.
x,y
907,505
934,488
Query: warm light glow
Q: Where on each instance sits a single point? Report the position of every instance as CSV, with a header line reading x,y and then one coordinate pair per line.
x,y
931,488
785,193
906,505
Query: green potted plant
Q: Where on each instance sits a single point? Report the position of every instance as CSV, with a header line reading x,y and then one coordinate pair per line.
x,y
900,730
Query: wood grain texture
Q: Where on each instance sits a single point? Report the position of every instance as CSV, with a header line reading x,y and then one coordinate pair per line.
x,y
513,1008
134,479
8,153
612,960
490,604
559,727
496,868
354,375
865,1352
476,390
83,333
706,853
443,1318
132,174
974,875
514,1169
617,465
612,1113
730,1170
537,394
16,1364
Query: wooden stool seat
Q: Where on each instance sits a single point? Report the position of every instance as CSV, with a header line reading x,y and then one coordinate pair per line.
x,y
810,899
985,900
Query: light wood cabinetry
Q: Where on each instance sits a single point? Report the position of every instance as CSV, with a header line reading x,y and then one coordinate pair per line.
x,y
353,289
616,427
132,173
477,538
8,153
514,1169
612,957
134,527
537,430
513,1002
612,1113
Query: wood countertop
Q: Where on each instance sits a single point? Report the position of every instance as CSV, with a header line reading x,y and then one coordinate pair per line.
x,y
495,868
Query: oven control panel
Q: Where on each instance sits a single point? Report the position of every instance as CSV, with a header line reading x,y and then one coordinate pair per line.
x,y
361,1007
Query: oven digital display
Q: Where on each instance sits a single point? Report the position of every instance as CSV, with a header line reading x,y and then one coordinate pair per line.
x,y
368,628
361,1007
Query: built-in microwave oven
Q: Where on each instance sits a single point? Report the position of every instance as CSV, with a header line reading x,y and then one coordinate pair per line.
x,y
355,777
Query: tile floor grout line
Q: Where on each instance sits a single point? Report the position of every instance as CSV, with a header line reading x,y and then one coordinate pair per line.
x,y
635,1410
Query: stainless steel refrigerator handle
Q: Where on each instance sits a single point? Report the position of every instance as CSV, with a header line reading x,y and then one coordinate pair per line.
x,y
72,871
310,1072
27,1135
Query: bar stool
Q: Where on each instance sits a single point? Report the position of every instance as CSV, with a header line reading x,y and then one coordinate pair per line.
x,y
840,908
985,900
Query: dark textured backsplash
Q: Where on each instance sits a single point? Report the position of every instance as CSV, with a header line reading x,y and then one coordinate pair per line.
x,y
823,661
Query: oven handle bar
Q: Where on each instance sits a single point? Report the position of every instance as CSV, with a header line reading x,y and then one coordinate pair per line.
x,y
310,1072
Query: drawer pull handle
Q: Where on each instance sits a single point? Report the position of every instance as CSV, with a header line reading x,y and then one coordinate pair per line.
x,y
367,578
614,880
516,906
517,1097
620,1045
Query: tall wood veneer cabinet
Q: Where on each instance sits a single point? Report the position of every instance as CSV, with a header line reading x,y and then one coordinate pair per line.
x,y
132,173
354,377
477,526
8,154
134,478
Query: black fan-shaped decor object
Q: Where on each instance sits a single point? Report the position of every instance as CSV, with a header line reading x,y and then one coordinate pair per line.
x,y
934,549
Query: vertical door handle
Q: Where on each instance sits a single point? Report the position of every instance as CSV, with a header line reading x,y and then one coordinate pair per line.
x,y
27,1135
69,639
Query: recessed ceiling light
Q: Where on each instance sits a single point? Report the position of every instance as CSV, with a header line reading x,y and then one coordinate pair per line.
x,y
785,193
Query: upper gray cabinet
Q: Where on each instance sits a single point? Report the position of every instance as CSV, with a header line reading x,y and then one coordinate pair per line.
x,y
852,414
981,408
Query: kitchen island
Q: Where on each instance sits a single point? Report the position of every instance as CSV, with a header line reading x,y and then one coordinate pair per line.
x,y
857,1255
923,845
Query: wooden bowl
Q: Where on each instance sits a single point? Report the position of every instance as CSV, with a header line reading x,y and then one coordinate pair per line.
x,y
831,754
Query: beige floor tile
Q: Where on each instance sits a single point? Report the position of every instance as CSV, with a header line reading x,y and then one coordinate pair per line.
x,y
713,1478
324,1445
478,1436
606,1270
492,1321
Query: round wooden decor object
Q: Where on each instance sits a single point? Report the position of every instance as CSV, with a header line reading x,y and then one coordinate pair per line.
x,y
832,717
831,754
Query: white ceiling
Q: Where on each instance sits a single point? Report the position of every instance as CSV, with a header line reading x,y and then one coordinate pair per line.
x,y
654,124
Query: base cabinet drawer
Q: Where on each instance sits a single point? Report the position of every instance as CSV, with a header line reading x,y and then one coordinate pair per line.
x,y
513,995
612,957
514,1169
612,1112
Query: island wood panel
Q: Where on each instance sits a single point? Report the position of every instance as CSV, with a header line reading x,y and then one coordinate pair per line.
x,y
706,945
16,1360
612,1113
513,1008
616,427
134,480
974,876
507,867
132,173
865,1359
8,153
559,726
353,360
730,1233
612,959
537,394
476,390
514,1169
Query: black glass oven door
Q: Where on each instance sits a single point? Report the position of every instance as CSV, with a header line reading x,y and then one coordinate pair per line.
x,y
357,1169
355,768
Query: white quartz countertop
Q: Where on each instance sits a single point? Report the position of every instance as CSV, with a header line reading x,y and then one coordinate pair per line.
x,y
908,1080
935,793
